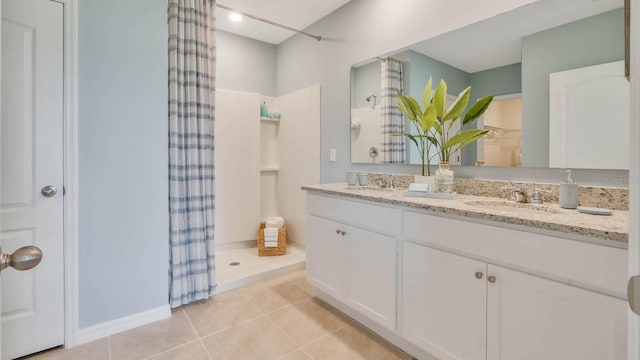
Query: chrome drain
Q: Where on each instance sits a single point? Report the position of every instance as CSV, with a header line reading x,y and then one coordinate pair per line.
x,y
234,263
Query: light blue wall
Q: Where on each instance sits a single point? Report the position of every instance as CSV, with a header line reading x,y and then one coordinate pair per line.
x,y
365,81
504,80
423,67
123,178
245,64
592,41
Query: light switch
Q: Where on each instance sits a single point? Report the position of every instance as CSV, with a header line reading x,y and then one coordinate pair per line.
x,y
332,155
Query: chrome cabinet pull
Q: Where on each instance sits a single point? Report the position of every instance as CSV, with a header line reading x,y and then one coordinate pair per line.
x,y
492,279
479,275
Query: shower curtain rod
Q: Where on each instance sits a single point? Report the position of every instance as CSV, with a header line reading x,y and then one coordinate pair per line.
x,y
317,37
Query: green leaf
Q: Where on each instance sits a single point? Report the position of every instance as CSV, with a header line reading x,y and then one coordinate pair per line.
x,y
403,104
473,138
464,138
426,94
477,109
415,107
433,140
411,137
438,127
440,99
457,108
428,118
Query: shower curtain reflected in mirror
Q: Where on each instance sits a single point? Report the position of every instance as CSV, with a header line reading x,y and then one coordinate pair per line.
x,y
392,119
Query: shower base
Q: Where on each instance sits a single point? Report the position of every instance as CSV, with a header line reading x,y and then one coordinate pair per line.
x,y
239,264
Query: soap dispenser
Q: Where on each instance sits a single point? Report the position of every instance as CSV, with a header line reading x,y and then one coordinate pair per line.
x,y
568,193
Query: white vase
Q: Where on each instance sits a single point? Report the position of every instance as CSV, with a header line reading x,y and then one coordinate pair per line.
x,y
421,179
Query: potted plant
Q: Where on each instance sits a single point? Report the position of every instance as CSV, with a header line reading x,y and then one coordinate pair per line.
x,y
434,123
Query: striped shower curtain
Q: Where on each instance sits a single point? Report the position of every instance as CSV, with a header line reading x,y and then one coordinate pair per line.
x,y
191,138
392,119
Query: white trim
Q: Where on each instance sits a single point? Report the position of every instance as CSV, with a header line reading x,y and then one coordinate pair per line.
x,y
108,328
71,304
633,325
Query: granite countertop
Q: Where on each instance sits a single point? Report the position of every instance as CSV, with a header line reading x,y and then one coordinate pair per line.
x,y
547,216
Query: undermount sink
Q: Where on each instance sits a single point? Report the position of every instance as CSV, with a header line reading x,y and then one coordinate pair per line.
x,y
513,206
376,188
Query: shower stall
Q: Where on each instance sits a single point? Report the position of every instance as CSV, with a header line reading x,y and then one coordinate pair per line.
x,y
261,162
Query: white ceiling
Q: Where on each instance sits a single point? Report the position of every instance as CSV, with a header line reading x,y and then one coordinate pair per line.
x,y
293,13
497,41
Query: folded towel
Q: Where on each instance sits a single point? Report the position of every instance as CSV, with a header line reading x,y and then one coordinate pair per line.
x,y
417,187
270,244
274,222
271,233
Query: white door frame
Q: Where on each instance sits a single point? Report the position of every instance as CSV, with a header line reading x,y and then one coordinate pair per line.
x,y
634,177
71,316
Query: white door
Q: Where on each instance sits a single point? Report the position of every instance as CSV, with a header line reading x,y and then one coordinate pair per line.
x,y
32,155
531,318
326,243
444,302
583,103
370,268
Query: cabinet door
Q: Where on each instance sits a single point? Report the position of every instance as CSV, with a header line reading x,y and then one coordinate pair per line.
x,y
444,302
370,261
534,318
325,267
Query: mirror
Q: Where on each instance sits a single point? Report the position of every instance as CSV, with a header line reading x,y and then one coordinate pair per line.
x,y
512,56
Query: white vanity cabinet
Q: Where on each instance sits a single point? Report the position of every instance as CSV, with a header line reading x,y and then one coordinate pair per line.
x,y
354,265
468,307
452,288
460,308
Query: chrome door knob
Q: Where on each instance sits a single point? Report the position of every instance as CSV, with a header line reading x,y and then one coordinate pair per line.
x,y
49,191
25,258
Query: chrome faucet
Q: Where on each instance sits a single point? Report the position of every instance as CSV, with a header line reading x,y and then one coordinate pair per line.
x,y
518,195
381,182
384,184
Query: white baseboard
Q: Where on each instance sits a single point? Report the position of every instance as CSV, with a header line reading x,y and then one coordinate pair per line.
x,y
108,328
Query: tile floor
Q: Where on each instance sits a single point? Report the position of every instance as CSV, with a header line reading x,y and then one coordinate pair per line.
x,y
271,319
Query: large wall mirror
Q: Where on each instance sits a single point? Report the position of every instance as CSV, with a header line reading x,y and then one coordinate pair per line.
x,y
556,68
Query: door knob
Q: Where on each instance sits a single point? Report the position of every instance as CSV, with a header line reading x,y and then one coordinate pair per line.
x,y
633,294
49,191
25,258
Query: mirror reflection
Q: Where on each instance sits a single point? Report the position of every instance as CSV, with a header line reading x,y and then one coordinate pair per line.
x,y
512,56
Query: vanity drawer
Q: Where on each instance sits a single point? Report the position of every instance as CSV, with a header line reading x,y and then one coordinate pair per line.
x,y
359,213
598,267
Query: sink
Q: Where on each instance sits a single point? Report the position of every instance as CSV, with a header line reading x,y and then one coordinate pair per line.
x,y
511,206
375,188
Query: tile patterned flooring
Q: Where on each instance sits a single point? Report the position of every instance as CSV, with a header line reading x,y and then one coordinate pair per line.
x,y
272,319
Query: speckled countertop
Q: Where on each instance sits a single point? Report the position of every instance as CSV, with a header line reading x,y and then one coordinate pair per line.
x,y
548,216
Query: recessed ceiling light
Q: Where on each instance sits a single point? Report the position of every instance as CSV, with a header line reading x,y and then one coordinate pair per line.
x,y
235,17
